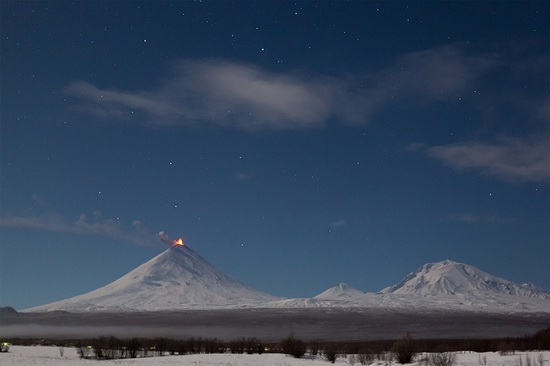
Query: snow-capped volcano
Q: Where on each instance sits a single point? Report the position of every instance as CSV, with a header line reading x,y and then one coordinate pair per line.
x,y
176,279
442,286
450,278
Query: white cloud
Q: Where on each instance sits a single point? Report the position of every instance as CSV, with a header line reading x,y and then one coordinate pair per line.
x,y
227,94
507,158
245,96
101,227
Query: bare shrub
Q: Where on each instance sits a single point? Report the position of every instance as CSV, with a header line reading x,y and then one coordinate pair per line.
x,y
441,359
519,361
365,356
82,350
293,346
482,360
97,347
389,358
404,350
330,353
529,361
237,346
133,347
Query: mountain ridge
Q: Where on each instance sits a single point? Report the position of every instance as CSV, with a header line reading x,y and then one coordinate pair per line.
x,y
180,279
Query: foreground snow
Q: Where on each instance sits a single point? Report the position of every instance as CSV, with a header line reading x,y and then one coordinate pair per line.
x,y
46,356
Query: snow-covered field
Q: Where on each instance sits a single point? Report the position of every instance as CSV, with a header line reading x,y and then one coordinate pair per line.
x,y
50,356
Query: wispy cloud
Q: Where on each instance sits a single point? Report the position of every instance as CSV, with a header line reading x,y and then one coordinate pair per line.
x,y
241,95
46,223
242,176
512,159
111,228
471,218
228,94
338,223
432,74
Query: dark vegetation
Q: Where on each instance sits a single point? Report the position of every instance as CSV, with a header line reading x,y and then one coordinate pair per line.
x,y
405,349
292,346
402,350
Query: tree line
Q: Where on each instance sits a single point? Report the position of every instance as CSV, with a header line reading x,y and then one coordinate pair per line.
x,y
403,350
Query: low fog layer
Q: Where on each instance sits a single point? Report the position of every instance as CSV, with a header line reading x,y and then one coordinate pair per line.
x,y
273,324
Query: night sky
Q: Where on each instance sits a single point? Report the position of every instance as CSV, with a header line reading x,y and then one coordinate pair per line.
x,y
294,145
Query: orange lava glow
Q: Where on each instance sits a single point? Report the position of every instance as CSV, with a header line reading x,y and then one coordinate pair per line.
x,y
178,242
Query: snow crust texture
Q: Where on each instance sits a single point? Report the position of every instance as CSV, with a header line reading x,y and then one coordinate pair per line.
x,y
180,279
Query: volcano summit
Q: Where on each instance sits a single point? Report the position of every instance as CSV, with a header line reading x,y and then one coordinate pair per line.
x,y
175,279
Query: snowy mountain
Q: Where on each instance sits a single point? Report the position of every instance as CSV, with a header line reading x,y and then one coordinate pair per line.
x,y
180,279
453,278
176,279
445,285
342,291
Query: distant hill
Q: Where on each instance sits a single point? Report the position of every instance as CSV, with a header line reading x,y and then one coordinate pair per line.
x,y
8,310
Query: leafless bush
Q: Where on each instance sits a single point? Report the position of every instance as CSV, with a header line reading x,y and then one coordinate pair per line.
x,y
404,350
441,359
293,346
482,360
365,357
330,353
83,351
389,358
529,361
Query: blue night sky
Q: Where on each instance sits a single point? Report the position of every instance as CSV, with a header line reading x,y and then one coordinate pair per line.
x,y
294,145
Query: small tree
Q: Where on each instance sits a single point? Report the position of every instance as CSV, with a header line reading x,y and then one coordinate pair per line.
x,y
133,347
330,353
237,346
82,350
294,347
161,345
98,347
404,349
